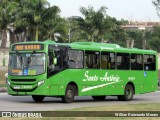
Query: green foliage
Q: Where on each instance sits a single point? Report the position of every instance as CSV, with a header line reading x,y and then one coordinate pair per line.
x,y
37,20
97,26
136,36
156,3
7,17
153,38
37,15
31,19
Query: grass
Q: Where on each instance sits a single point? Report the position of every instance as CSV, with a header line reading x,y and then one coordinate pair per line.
x,y
3,85
129,107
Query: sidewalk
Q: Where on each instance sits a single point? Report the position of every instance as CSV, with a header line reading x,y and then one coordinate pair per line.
x,y
3,89
3,71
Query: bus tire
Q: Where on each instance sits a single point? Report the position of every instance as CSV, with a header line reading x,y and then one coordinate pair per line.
x,y
69,94
38,98
99,97
128,94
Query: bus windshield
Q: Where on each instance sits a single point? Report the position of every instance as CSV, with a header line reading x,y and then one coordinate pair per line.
x,y
27,63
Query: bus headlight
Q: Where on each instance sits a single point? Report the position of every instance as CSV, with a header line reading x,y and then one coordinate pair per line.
x,y
40,83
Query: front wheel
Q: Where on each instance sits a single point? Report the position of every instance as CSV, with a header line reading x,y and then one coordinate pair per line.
x,y
128,94
37,98
69,94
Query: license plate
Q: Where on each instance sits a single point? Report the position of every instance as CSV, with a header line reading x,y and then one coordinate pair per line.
x,y
23,87
26,87
16,87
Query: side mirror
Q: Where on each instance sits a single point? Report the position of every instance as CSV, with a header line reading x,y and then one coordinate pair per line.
x,y
6,76
55,61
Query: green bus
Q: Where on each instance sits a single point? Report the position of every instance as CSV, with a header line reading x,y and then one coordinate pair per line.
x,y
66,70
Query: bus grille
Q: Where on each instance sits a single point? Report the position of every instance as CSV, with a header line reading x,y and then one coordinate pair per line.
x,y
23,80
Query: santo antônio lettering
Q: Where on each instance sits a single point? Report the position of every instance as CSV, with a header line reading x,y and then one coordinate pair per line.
x,y
106,77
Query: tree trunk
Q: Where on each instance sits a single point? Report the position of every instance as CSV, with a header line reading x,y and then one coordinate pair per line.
x,y
127,43
12,38
132,43
21,37
143,40
4,38
36,37
17,38
24,36
92,38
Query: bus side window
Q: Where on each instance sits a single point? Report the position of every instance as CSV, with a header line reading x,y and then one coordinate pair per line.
x,y
107,60
92,59
75,59
136,62
149,62
123,61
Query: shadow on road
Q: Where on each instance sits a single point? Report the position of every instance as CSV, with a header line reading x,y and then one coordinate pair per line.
x,y
48,100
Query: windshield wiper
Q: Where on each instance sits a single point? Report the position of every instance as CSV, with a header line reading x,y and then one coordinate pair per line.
x,y
20,58
29,59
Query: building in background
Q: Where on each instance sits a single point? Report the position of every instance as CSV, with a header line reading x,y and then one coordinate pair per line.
x,y
141,25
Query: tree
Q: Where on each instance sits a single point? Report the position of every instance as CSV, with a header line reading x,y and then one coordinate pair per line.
x,y
133,37
156,3
34,18
7,16
114,32
32,14
55,29
54,26
153,38
92,24
97,26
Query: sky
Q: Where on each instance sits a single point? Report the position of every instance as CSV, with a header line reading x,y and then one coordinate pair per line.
x,y
132,10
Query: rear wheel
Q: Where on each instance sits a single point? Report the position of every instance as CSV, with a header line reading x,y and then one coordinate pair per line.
x,y
69,94
99,97
128,94
37,98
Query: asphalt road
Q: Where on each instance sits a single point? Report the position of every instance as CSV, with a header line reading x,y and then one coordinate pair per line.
x,y
25,103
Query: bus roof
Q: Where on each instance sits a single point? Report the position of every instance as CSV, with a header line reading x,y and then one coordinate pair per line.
x,y
107,47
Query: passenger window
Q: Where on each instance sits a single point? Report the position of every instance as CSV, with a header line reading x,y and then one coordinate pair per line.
x,y
108,60
75,59
149,62
92,59
123,61
136,62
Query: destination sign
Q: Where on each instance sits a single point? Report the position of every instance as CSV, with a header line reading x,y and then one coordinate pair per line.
x,y
21,47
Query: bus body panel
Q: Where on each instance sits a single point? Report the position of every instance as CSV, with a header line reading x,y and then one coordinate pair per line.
x,y
90,82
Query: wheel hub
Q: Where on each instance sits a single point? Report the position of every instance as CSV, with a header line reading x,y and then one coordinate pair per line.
x,y
69,94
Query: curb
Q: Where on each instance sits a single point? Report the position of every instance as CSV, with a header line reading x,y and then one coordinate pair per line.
x,y
3,89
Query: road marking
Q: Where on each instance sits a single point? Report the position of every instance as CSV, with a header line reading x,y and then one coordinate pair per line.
x,y
4,93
